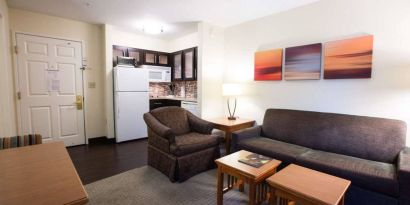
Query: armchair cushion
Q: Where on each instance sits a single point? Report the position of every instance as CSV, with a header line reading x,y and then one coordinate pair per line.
x,y
193,142
173,117
404,175
199,125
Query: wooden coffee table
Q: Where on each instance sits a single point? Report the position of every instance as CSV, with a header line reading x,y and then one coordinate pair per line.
x,y
301,185
230,126
239,173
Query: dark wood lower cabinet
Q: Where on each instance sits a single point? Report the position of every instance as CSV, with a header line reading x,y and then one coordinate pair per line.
x,y
156,103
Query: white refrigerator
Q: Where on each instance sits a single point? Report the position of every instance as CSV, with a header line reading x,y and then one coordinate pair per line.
x,y
131,101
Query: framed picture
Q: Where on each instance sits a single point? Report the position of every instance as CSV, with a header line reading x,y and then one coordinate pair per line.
x,y
303,62
349,58
268,65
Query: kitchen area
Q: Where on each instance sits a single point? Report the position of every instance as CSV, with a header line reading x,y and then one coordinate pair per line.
x,y
155,79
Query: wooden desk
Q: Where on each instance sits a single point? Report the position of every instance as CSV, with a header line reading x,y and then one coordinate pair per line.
x,y
239,173
301,185
39,174
230,126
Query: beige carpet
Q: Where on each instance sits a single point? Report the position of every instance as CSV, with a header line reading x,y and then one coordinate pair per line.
x,y
146,185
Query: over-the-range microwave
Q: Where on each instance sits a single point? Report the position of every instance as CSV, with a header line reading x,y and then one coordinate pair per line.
x,y
158,73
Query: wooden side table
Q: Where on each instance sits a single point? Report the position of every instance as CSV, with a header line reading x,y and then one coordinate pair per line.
x,y
230,126
239,173
300,185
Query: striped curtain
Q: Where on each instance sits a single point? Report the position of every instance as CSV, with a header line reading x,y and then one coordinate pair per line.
x,y
20,141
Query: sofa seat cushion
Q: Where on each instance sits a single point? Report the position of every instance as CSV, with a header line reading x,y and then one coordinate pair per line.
x,y
283,151
376,176
193,142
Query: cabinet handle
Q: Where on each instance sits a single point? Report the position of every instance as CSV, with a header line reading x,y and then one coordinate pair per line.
x,y
157,103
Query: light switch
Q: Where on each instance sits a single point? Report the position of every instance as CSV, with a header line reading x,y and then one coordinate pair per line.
x,y
92,84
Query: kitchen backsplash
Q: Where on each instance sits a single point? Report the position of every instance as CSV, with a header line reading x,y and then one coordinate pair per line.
x,y
163,89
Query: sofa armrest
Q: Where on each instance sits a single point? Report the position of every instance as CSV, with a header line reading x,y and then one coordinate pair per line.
x,y
244,134
157,127
199,125
403,169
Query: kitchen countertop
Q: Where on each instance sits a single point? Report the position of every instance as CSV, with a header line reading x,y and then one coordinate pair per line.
x,y
174,98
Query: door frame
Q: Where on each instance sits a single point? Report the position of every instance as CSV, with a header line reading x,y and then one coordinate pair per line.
x,y
16,79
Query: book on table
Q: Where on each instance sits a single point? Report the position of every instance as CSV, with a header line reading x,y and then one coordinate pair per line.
x,y
255,160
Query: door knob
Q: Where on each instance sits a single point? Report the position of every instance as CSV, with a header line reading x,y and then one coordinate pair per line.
x,y
79,102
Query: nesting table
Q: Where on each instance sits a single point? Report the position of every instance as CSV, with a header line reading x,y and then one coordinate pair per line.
x,y
239,173
300,185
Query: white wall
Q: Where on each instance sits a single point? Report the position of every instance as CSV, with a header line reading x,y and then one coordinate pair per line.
x,y
386,94
91,36
210,70
184,42
8,125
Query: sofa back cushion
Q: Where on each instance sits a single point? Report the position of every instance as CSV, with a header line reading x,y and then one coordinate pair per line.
x,y
370,138
175,118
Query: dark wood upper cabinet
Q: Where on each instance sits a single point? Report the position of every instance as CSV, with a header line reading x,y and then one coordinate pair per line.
x,y
137,54
150,57
118,51
184,64
189,65
163,59
177,69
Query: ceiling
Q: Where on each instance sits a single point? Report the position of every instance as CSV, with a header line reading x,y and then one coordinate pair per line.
x,y
177,17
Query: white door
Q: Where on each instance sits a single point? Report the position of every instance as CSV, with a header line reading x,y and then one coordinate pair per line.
x,y
129,111
51,88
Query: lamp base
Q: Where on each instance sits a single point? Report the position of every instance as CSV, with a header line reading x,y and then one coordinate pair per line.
x,y
231,118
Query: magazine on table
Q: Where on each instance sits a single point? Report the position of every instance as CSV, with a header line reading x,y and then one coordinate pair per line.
x,y
255,160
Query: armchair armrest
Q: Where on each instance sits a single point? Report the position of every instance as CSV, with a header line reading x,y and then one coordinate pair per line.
x,y
157,127
403,169
244,134
199,125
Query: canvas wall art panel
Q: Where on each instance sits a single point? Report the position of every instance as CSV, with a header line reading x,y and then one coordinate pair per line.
x,y
303,62
349,58
268,65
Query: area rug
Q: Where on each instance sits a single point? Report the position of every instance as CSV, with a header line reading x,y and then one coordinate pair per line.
x,y
146,185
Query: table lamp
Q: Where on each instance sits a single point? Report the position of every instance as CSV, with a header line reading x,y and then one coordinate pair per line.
x,y
231,90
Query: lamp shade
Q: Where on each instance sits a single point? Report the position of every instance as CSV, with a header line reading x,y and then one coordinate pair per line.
x,y
231,89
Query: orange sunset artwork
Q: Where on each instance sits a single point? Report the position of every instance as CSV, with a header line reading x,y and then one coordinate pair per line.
x,y
268,65
350,58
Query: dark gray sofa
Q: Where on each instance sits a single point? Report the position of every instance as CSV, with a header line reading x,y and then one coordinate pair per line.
x,y
368,151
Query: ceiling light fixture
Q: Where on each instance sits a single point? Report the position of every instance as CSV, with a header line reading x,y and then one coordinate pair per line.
x,y
151,27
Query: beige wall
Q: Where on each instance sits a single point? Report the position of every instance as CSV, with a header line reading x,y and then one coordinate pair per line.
x,y
7,98
210,70
92,37
386,94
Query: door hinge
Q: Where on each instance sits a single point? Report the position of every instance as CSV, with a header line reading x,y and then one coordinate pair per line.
x,y
16,49
19,95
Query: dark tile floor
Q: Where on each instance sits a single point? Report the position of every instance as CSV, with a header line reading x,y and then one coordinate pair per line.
x,y
104,158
